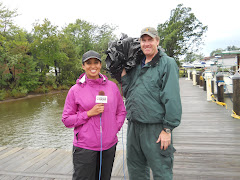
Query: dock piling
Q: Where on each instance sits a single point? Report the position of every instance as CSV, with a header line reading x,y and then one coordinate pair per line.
x,y
236,93
220,87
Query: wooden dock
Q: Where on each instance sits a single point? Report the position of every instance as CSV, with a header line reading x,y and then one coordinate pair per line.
x,y
207,143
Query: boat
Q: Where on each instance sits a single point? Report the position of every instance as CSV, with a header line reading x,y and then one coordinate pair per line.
x,y
198,64
187,65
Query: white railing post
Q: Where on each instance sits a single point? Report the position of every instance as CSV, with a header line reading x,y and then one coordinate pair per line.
x,y
188,72
194,77
208,78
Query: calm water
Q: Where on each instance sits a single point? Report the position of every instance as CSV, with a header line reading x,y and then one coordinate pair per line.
x,y
36,122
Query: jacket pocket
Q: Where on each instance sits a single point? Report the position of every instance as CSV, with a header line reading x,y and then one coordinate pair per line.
x,y
168,152
77,136
81,133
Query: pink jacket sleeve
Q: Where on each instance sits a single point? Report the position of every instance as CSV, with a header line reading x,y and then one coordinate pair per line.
x,y
71,117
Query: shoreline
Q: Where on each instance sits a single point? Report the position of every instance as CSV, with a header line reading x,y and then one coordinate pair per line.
x,y
32,95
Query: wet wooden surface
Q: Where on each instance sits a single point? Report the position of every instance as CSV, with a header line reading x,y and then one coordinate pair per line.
x,y
207,143
208,139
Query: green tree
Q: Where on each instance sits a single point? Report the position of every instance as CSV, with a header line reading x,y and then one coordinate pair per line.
x,y
3,68
81,33
6,24
45,48
85,36
219,50
6,19
182,33
28,78
20,64
71,67
103,36
232,48
76,40
190,57
13,47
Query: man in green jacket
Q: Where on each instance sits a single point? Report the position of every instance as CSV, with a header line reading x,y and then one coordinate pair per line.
x,y
154,109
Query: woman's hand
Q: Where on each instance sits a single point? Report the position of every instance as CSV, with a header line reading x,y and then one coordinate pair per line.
x,y
97,109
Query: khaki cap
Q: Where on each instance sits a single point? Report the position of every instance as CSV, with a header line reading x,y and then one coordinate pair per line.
x,y
149,31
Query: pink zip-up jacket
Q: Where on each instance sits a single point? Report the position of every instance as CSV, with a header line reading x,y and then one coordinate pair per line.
x,y
80,99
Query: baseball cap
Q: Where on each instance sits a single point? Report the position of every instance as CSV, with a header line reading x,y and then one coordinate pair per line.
x,y
91,54
149,31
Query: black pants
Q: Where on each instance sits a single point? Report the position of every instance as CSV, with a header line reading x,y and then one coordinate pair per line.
x,y
86,163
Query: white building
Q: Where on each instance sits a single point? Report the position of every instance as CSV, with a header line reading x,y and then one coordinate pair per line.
x,y
228,58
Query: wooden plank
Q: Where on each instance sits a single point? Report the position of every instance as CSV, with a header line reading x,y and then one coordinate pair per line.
x,y
34,156
59,163
207,141
8,177
178,176
35,174
2,148
9,158
22,158
65,166
117,170
10,152
11,161
118,162
210,172
68,168
40,160
59,155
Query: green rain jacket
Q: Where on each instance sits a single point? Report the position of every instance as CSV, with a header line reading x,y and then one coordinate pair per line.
x,y
152,92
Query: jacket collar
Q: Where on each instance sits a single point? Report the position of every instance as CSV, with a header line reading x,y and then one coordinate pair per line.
x,y
84,78
155,59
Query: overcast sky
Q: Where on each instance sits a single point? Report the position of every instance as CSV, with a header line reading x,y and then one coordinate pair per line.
x,y
221,17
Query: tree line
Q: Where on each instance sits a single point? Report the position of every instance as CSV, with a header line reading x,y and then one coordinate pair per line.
x,y
26,58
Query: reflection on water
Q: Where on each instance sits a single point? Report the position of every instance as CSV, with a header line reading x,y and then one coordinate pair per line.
x,y
37,122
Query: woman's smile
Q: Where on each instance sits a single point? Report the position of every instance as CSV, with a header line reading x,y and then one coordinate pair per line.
x,y
92,68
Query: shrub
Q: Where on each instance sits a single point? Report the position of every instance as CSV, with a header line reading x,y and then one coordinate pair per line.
x,y
63,87
19,92
50,80
3,94
41,90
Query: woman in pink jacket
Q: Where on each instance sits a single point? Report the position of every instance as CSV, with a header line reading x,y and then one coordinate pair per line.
x,y
95,124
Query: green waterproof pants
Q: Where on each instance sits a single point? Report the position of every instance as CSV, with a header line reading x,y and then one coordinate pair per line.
x,y
144,153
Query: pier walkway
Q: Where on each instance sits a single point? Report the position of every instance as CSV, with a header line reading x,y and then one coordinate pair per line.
x,y
207,143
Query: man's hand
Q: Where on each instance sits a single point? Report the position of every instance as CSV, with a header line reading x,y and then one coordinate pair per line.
x,y
123,72
165,139
97,109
